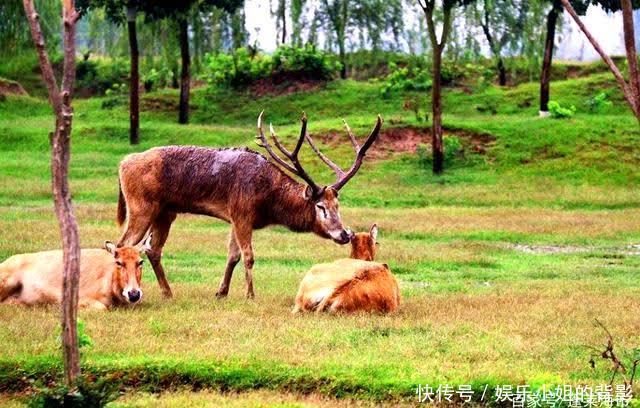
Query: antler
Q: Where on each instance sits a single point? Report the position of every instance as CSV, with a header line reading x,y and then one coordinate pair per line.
x,y
342,177
297,168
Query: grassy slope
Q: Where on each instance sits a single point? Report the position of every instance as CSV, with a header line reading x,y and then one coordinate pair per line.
x,y
475,309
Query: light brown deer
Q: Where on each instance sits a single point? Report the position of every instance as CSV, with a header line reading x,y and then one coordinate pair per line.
x,y
237,185
108,277
350,285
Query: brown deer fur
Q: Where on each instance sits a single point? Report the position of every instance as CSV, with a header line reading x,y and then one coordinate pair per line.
x,y
350,285
239,186
108,277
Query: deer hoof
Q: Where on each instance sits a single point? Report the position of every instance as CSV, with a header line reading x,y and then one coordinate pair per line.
x,y
221,295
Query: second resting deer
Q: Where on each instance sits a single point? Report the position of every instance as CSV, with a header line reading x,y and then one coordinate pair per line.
x,y
350,285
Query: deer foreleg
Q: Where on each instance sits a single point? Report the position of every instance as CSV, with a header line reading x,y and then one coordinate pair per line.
x,y
243,237
233,258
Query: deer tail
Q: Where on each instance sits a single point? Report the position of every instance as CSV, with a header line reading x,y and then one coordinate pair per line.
x,y
122,207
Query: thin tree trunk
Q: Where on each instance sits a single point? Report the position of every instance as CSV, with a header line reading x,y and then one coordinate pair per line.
x,y
545,76
629,94
185,76
502,72
134,83
436,106
283,16
60,100
343,59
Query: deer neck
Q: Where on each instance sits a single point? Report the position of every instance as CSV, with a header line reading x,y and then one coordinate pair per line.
x,y
292,210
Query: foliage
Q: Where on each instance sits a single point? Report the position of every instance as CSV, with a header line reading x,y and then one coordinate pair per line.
x,y
89,392
405,79
308,61
157,78
598,102
561,112
84,340
99,77
452,149
243,67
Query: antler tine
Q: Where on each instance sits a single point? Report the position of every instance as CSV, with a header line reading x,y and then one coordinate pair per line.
x,y
362,151
297,168
354,141
339,172
265,143
276,141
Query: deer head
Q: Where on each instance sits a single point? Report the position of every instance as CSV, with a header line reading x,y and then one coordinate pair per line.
x,y
328,223
128,270
363,244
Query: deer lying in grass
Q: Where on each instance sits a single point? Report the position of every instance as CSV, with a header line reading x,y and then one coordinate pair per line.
x,y
350,285
239,186
108,277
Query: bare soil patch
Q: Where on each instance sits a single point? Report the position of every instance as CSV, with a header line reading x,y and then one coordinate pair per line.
x,y
406,139
284,83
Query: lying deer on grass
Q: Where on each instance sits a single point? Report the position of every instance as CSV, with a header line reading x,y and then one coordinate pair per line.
x,y
350,285
108,277
239,186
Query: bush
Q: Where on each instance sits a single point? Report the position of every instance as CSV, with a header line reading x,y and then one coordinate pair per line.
x,y
88,392
98,77
244,67
560,112
406,79
307,61
598,102
452,149
157,78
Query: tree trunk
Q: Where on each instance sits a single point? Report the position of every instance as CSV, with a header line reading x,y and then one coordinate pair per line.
x,y
60,100
436,106
343,59
185,76
283,16
502,72
134,83
545,76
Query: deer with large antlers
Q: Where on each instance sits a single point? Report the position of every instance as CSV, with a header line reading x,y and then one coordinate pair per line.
x,y
237,185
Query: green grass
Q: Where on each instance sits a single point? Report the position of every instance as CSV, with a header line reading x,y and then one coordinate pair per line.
x,y
503,262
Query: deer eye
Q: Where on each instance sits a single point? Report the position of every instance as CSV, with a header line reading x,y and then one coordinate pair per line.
x,y
324,210
119,264
140,262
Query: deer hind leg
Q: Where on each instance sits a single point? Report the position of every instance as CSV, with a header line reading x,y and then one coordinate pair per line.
x,y
139,219
159,233
243,237
233,258
8,287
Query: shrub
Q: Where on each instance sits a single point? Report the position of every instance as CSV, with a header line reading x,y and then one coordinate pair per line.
x,y
244,67
157,78
560,112
98,77
598,102
307,61
406,79
89,392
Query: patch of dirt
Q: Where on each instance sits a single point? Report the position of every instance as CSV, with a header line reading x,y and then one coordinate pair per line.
x,y
8,87
406,139
284,84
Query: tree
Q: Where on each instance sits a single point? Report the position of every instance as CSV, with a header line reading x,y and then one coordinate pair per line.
x,y
180,11
280,13
115,11
552,21
502,22
630,88
337,15
60,99
297,22
437,46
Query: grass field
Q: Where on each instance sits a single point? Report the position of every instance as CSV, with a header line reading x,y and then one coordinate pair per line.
x,y
504,262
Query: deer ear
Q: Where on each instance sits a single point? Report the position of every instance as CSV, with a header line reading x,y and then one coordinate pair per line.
x,y
110,247
308,193
146,245
374,232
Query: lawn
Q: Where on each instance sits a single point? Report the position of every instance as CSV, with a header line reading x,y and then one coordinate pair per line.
x,y
504,262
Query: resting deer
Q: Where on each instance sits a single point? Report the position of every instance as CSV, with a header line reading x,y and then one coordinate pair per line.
x,y
350,285
237,185
108,277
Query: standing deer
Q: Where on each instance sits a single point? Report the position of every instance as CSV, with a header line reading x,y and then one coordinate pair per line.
x,y
237,185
